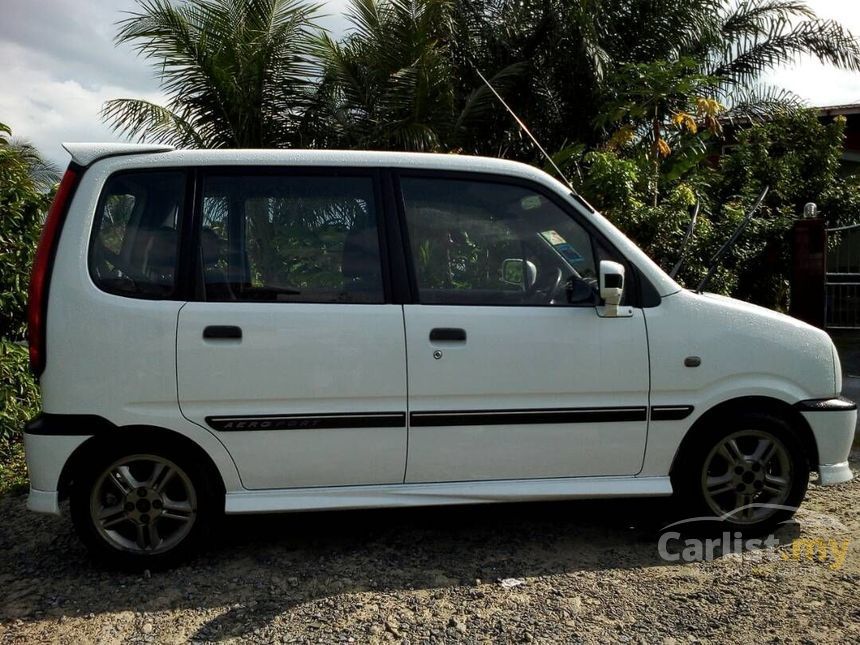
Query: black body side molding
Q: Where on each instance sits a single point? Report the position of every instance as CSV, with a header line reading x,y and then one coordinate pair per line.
x,y
826,405
671,412
309,421
47,424
520,417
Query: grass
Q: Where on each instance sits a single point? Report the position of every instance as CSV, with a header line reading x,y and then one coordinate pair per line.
x,y
13,471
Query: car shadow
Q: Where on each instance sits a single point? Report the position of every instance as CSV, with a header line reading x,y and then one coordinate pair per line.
x,y
259,567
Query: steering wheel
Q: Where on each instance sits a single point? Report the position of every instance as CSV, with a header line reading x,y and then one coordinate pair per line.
x,y
110,266
546,286
574,290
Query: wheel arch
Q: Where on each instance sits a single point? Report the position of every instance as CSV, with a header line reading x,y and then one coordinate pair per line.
x,y
162,437
760,404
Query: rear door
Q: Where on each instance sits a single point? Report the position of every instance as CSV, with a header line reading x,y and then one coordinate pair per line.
x,y
513,374
291,355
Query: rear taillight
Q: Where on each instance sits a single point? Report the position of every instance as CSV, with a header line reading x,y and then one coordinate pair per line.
x,y
37,302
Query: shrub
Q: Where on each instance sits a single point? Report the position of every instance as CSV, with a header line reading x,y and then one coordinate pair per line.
x,y
19,395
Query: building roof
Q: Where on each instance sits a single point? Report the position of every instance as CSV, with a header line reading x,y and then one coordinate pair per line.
x,y
836,110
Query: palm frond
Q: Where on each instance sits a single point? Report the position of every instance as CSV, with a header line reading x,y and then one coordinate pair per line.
x,y
146,121
42,172
756,17
743,59
481,101
761,103
242,68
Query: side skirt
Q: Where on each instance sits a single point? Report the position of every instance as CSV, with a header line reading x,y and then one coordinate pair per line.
x,y
444,494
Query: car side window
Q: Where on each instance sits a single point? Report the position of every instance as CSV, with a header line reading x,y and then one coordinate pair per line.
x,y
489,243
290,238
135,242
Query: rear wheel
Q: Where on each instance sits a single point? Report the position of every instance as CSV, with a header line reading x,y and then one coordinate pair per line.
x,y
749,472
138,508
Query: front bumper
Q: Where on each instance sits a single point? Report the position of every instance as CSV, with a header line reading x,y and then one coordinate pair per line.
x,y
833,423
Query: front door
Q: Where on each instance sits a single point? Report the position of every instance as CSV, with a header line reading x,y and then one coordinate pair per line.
x,y
291,355
513,374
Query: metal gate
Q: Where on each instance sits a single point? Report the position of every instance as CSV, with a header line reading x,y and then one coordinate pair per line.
x,y
842,281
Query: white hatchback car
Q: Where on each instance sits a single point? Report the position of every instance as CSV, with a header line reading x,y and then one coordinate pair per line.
x,y
263,331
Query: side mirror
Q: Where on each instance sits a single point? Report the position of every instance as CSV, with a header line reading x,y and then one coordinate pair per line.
x,y
513,270
611,286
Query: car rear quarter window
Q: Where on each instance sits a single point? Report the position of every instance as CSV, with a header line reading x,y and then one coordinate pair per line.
x,y
135,243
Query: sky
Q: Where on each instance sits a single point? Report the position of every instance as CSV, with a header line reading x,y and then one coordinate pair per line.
x,y
58,65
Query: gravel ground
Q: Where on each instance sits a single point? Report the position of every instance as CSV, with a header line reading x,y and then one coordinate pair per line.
x,y
583,572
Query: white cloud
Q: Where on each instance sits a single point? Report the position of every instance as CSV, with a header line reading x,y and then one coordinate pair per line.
x,y
60,65
821,85
48,110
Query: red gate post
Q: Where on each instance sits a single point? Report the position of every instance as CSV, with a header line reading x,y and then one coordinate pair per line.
x,y
808,271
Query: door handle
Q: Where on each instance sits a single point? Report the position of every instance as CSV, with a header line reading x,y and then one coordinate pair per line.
x,y
450,334
222,332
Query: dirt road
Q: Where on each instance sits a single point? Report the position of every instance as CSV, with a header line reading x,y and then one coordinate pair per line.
x,y
572,572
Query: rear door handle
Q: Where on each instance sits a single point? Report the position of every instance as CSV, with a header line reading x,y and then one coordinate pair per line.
x,y
222,332
450,334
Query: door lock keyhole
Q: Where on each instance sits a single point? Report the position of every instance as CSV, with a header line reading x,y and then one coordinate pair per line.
x,y
437,354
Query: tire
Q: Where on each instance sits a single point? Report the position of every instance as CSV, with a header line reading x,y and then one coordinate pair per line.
x,y
746,472
139,507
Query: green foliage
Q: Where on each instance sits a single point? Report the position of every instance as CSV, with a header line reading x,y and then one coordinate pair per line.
x,y
389,83
21,208
794,153
19,396
798,156
253,73
23,178
237,73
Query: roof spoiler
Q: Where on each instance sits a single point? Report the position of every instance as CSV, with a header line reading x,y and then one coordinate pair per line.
x,y
83,154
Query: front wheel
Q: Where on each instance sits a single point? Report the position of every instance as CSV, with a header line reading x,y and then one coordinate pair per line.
x,y
138,509
749,473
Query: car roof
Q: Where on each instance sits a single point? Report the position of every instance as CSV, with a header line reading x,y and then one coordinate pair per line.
x,y
85,154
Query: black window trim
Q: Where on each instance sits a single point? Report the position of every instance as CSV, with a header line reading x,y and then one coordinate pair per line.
x,y
643,294
375,174
399,281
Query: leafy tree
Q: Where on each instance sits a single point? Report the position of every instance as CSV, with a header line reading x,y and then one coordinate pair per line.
x,y
23,178
392,82
798,156
795,154
579,56
237,73
22,174
631,95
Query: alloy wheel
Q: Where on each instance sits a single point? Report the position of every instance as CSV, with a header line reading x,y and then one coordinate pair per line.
x,y
747,476
143,504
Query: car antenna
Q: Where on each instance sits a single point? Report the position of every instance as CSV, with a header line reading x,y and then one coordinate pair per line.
x,y
525,129
725,247
687,237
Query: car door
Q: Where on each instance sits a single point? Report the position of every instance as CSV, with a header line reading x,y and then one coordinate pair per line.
x,y
291,354
513,373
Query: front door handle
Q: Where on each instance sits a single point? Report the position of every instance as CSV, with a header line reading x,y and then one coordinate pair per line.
x,y
449,334
222,332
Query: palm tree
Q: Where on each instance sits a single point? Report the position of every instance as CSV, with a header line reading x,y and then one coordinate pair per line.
x,y
579,57
392,82
42,174
237,73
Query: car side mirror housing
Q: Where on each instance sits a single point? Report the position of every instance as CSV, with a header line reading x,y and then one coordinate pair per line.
x,y
611,288
513,270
